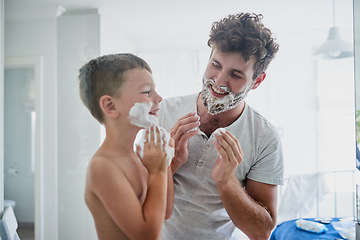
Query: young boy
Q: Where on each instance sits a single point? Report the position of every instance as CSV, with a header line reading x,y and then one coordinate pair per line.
x,y
127,198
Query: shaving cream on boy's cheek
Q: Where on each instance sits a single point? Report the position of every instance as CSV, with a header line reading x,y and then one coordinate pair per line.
x,y
139,116
217,105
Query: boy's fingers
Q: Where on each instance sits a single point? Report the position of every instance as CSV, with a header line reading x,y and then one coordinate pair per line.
x,y
158,136
146,138
138,150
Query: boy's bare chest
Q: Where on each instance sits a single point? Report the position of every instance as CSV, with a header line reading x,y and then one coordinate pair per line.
x,y
137,177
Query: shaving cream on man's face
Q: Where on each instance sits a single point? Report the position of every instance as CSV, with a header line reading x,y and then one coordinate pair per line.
x,y
140,116
217,105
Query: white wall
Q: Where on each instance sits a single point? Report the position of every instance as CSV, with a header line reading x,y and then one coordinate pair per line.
x,y
114,38
287,98
35,35
78,131
18,105
357,50
1,105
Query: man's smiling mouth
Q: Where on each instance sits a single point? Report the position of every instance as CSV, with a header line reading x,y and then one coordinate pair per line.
x,y
219,91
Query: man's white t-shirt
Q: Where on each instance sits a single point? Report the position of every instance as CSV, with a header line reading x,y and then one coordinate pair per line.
x,y
198,210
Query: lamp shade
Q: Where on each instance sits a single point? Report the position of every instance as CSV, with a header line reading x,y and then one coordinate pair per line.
x,y
335,47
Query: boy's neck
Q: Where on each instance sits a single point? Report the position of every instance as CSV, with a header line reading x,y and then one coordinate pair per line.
x,y
121,138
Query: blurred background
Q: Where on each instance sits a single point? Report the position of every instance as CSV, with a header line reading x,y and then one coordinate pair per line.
x,y
49,136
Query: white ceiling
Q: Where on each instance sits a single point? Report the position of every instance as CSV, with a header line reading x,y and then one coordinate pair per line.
x,y
185,24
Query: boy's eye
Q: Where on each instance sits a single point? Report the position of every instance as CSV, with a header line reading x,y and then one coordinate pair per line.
x,y
146,92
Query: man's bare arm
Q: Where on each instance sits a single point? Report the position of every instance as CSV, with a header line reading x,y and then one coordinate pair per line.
x,y
253,209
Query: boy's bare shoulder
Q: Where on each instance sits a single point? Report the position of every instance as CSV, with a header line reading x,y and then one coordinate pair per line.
x,y
113,166
103,171
100,164
103,165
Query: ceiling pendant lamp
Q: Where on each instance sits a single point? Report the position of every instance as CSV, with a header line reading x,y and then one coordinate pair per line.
x,y
335,47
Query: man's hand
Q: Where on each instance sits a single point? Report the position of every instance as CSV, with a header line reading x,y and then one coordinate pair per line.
x,y
183,130
230,156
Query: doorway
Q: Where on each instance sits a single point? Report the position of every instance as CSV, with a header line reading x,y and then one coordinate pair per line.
x,y
19,143
22,158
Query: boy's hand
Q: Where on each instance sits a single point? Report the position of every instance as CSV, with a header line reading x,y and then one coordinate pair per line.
x,y
154,158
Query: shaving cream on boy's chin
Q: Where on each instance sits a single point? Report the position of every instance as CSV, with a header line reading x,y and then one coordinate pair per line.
x,y
139,116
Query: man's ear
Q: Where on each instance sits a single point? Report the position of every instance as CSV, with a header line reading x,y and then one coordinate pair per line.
x,y
259,80
108,106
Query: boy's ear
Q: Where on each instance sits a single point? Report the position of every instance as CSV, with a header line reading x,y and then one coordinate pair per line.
x,y
108,106
259,80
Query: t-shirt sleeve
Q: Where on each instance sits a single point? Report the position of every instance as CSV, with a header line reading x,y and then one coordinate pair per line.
x,y
269,165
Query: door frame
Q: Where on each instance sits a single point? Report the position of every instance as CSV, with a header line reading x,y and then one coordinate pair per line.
x,y
1,106
35,62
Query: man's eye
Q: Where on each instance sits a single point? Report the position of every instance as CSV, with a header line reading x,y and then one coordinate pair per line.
x,y
216,65
237,76
146,92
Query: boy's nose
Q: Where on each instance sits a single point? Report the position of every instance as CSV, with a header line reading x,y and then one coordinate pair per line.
x,y
157,98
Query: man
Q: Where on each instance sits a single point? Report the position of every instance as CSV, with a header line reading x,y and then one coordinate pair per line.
x,y
226,178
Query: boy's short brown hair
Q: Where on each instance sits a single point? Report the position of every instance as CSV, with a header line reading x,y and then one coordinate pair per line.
x,y
104,76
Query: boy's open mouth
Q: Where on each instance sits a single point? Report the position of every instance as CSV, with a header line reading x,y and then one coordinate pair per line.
x,y
154,112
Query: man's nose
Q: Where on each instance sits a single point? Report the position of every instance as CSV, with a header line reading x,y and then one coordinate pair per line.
x,y
221,79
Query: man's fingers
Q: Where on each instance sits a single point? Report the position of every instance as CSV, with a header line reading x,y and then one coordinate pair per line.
x,y
220,149
183,126
186,136
228,150
188,115
235,145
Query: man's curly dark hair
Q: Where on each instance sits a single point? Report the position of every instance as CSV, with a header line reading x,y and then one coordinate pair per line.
x,y
246,34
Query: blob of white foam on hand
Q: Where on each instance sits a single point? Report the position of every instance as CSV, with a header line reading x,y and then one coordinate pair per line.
x,y
139,116
219,131
165,136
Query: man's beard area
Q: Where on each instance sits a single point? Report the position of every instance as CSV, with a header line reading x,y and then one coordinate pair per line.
x,y
217,105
